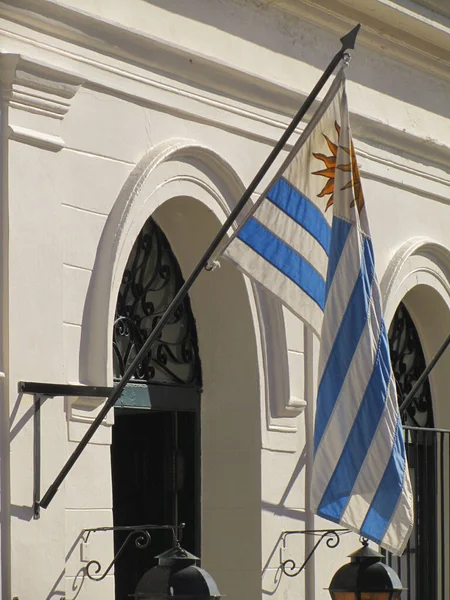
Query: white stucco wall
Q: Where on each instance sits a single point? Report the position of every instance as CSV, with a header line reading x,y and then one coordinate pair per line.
x,y
116,110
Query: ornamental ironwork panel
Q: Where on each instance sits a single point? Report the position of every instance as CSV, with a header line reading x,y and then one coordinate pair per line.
x,y
151,280
408,363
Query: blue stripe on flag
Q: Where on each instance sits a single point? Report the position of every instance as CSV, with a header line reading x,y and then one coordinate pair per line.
x,y
284,258
339,488
383,505
346,342
339,235
301,210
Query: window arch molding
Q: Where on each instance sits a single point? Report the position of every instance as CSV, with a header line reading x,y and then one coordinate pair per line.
x,y
173,168
419,261
419,275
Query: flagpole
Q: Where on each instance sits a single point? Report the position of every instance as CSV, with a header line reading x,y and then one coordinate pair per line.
x,y
348,43
410,397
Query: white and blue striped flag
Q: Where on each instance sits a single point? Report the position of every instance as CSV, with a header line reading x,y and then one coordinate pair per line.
x,y
307,240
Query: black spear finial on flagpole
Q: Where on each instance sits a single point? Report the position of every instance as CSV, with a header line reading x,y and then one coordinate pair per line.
x,y
348,42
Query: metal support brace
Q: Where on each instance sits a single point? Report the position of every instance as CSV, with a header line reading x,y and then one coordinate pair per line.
x,y
288,566
142,539
37,455
42,391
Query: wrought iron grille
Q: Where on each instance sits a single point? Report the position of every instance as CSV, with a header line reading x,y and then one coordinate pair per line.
x,y
151,280
408,363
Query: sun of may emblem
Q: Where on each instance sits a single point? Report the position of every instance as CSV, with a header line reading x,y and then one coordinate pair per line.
x,y
330,172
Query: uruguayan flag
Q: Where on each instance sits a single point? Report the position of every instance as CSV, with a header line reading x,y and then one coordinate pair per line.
x,y
307,240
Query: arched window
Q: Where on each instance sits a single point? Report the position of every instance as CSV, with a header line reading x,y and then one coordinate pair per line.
x,y
408,364
151,279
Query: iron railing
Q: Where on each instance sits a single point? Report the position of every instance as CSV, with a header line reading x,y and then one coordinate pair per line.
x,y
424,566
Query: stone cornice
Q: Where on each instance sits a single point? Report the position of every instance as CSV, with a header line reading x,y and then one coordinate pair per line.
x,y
32,87
419,38
413,37
253,104
35,87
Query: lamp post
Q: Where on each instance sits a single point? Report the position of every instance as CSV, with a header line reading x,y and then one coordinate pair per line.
x,y
365,577
178,577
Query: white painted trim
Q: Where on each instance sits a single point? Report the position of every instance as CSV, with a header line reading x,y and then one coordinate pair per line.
x,y
419,261
425,45
387,26
242,88
35,138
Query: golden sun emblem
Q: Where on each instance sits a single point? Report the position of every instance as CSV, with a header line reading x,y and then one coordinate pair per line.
x,y
330,172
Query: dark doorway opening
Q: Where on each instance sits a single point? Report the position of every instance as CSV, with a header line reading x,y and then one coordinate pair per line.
x,y
155,458
155,453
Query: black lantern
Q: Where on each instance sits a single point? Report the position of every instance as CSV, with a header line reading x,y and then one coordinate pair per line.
x,y
176,576
365,577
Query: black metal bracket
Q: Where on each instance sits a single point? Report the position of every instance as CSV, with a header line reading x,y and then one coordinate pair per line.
x,y
288,566
41,391
142,539
37,455
63,389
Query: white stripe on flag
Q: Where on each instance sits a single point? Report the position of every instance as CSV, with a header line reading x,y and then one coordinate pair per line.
x,y
338,296
374,466
300,240
400,526
344,412
287,291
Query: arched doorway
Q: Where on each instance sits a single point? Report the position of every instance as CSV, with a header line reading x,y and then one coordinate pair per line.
x,y
188,190
155,452
418,567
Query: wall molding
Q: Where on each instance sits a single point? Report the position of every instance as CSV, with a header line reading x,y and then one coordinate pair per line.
x,y
35,87
414,37
35,138
30,86
199,92
419,261
403,34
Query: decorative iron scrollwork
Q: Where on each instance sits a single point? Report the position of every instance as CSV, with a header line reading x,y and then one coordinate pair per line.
x,y
408,363
93,567
332,538
151,280
142,539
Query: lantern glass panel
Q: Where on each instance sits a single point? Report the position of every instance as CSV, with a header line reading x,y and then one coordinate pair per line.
x,y
377,595
343,595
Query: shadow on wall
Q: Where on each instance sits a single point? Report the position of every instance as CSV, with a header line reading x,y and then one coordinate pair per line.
x,y
281,510
56,591
61,582
14,430
22,512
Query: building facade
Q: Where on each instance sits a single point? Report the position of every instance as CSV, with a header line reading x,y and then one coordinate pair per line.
x,y
129,130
